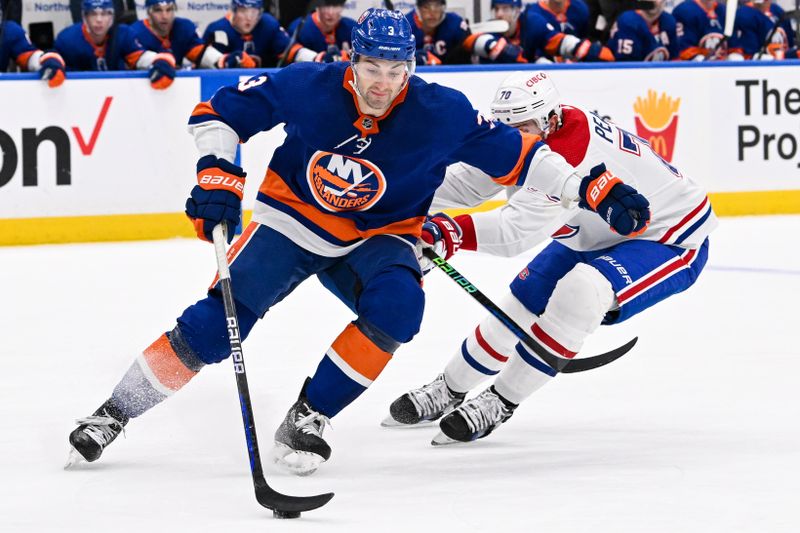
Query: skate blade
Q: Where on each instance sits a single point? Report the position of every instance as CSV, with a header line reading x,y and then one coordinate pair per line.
x,y
390,422
296,462
443,440
75,458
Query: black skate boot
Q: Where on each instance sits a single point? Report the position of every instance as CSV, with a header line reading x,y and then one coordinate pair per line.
x,y
475,418
299,446
425,404
94,433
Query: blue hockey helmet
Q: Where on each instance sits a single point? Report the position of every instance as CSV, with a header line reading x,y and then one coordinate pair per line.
x,y
151,3
258,4
512,3
91,5
383,34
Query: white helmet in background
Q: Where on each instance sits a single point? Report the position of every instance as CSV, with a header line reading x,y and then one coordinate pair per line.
x,y
525,96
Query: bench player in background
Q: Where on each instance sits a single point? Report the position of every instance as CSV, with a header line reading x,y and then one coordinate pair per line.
x,y
350,196
325,35
568,16
99,44
754,35
14,44
531,38
164,32
440,33
587,276
699,25
645,35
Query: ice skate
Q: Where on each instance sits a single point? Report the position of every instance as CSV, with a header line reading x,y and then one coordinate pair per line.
x,y
94,433
299,446
474,419
420,407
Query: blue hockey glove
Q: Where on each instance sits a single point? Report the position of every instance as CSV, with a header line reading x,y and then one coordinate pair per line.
x,y
620,205
51,69
236,60
217,197
330,55
502,51
162,71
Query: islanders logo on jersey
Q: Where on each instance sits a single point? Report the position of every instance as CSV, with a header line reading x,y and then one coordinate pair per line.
x,y
342,183
657,122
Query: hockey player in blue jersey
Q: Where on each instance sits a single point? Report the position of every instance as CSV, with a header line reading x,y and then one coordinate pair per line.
x,y
439,33
99,44
531,38
345,195
699,29
586,276
164,32
645,35
568,16
755,38
325,33
14,44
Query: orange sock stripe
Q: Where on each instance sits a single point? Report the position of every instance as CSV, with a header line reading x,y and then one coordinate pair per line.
x,y
166,366
360,353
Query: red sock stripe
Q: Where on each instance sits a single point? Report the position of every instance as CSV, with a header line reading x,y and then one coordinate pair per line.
x,y
488,349
551,343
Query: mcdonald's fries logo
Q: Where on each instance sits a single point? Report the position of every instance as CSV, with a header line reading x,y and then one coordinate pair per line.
x,y
656,120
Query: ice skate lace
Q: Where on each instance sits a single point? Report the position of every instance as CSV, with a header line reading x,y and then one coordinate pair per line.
x,y
312,423
483,411
431,398
100,429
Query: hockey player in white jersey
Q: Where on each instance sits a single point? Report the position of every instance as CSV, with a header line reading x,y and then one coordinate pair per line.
x,y
587,276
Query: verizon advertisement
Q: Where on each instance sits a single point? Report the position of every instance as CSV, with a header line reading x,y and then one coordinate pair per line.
x,y
115,146
94,147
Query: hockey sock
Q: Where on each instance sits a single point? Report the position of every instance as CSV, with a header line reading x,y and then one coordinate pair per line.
x,y
354,360
164,367
575,309
484,353
524,374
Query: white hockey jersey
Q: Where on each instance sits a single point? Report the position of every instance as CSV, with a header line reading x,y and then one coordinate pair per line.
x,y
681,213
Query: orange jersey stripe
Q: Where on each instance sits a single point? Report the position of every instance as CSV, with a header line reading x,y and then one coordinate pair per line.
x,y
204,108
360,353
512,177
132,58
236,247
193,55
22,59
553,45
165,365
342,228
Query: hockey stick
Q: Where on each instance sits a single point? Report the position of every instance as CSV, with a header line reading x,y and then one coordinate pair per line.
x,y
778,21
312,5
730,17
388,4
282,505
559,364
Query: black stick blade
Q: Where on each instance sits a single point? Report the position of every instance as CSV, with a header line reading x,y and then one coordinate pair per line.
x,y
285,506
596,361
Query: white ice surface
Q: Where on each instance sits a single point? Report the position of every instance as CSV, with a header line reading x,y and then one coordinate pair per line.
x,y
695,430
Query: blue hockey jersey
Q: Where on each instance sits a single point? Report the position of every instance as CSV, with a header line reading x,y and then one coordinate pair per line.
x,y
699,30
119,51
446,37
634,39
182,42
533,34
342,176
264,44
574,20
312,37
753,26
15,45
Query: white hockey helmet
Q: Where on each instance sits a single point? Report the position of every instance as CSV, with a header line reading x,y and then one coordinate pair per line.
x,y
525,96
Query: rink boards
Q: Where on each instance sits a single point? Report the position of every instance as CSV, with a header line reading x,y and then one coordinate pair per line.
x,y
105,157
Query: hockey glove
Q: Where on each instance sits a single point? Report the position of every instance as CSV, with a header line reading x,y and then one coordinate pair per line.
x,y
502,51
442,234
620,205
427,58
330,55
592,52
236,60
52,69
217,197
162,71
